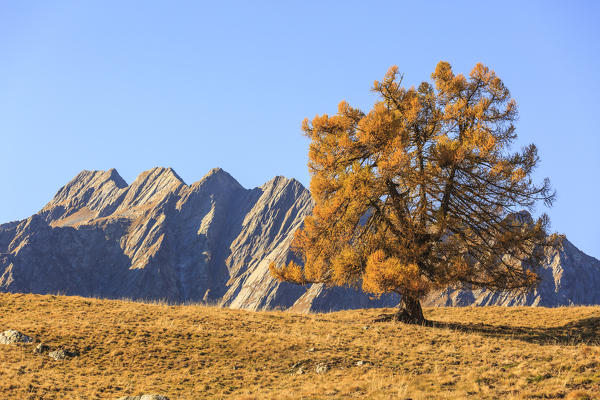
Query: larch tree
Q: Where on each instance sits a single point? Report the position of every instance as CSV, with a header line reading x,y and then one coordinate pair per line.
x,y
422,192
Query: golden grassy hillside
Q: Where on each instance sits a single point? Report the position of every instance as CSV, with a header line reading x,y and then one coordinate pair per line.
x,y
196,352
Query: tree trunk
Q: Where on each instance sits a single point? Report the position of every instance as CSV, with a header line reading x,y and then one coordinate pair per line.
x,y
410,311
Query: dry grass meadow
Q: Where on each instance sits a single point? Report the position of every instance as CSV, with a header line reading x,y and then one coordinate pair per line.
x,y
198,352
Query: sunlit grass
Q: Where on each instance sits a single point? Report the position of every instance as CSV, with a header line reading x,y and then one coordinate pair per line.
x,y
193,352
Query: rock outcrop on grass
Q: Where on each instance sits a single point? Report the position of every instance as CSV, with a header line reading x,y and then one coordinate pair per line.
x,y
12,336
144,397
58,354
41,348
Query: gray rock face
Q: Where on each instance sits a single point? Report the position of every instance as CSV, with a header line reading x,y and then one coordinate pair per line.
x,y
12,336
320,298
159,238
211,241
568,277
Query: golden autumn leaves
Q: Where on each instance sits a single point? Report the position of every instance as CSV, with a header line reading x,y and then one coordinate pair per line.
x,y
385,274
417,193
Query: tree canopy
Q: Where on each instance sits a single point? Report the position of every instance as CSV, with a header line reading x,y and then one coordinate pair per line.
x,y
422,192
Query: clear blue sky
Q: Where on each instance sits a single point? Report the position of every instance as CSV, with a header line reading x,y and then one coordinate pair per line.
x,y
194,85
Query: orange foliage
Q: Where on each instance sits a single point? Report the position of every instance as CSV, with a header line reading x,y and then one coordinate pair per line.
x,y
422,191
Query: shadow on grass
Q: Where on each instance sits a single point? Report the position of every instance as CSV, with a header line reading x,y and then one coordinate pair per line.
x,y
584,331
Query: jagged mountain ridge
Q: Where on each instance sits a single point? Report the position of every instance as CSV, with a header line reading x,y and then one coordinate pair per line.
x,y
568,277
159,238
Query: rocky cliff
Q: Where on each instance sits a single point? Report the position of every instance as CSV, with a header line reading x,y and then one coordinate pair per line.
x,y
211,241
159,238
568,277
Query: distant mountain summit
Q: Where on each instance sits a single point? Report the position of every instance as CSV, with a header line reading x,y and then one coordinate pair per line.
x,y
159,238
568,277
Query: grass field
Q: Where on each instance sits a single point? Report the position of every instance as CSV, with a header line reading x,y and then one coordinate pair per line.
x,y
197,352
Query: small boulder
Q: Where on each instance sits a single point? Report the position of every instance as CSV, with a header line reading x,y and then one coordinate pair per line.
x,y
12,336
61,354
41,348
144,397
58,354
321,368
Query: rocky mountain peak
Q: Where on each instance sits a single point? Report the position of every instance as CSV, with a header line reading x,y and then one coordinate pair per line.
x,y
86,194
113,175
165,175
282,184
218,177
216,171
88,180
277,180
150,187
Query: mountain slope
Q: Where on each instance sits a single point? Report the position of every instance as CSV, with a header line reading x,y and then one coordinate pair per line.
x,y
568,277
212,241
159,238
